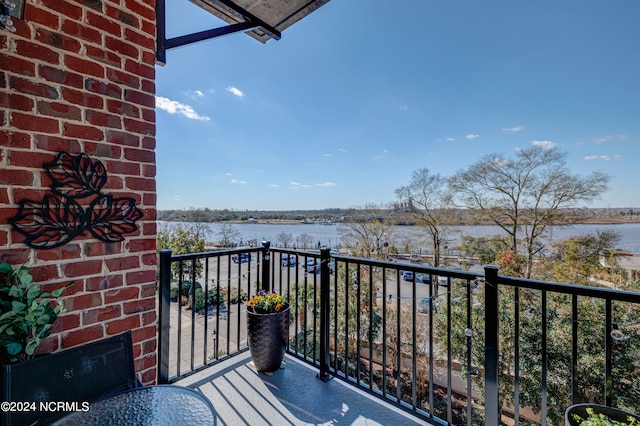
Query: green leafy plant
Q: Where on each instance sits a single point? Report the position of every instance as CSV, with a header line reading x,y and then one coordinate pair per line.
x,y
26,313
599,419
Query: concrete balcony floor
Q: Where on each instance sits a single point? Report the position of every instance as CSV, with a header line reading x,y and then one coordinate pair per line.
x,y
290,396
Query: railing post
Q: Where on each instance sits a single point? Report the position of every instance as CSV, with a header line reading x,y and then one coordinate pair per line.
x,y
165,314
325,294
266,266
491,394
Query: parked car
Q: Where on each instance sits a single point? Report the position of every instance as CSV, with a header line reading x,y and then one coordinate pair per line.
x,y
310,265
291,260
443,281
423,279
426,304
407,275
243,258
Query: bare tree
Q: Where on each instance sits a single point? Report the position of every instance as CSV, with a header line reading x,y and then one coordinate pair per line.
x,y
228,234
368,230
305,240
284,238
428,200
525,196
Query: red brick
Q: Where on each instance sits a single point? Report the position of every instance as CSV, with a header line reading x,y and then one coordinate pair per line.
x,y
123,48
141,277
119,77
123,167
148,27
65,252
48,345
101,119
123,108
149,318
70,287
16,177
4,238
123,138
149,170
150,346
65,8
138,245
104,56
139,155
101,283
84,32
140,69
16,102
146,333
57,144
35,123
18,65
149,86
148,378
82,98
123,263
45,273
114,183
101,314
148,290
149,115
4,197
149,259
103,150
56,109
84,66
45,18
14,256
145,128
139,8
140,98
85,335
56,75
83,301
121,325
32,88
138,306
87,267
139,39
141,184
82,132
107,25
15,139
36,51
120,294
58,40
66,322
149,361
149,143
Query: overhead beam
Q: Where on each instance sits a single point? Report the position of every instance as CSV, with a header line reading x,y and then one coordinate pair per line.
x,y
163,44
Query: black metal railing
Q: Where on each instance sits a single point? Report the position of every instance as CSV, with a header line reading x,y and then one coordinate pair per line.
x,y
451,347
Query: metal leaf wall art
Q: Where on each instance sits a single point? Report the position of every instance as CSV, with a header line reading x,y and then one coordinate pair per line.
x,y
60,217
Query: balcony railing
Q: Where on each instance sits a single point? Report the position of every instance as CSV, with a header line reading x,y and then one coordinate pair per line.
x,y
450,347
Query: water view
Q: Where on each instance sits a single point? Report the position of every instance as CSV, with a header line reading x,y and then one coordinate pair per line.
x,y
329,235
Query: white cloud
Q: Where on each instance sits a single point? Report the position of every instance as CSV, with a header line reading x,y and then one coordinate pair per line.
x,y
602,157
622,137
471,136
229,174
451,139
175,107
326,184
241,182
327,155
198,93
235,91
273,185
512,129
381,156
404,107
343,150
544,144
298,185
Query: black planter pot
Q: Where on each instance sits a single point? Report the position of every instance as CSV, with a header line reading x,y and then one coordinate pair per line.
x,y
581,410
268,336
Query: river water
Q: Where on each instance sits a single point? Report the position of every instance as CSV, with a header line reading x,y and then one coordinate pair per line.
x,y
330,235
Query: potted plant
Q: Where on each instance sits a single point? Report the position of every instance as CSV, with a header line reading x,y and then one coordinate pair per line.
x,y
599,415
267,329
26,313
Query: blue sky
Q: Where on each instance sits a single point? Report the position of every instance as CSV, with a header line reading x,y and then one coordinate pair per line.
x,y
358,95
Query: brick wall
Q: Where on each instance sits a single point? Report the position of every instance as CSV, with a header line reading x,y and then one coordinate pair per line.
x,y
79,77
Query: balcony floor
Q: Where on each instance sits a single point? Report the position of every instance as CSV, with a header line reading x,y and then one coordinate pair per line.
x,y
291,396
